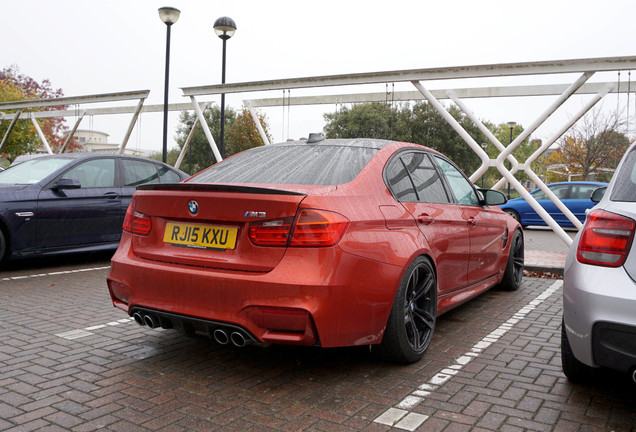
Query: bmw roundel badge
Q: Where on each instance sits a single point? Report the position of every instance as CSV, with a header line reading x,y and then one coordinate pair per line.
x,y
193,207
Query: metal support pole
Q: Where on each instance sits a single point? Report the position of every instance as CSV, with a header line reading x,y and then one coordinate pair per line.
x,y
69,137
186,146
164,152
222,133
42,137
471,115
206,129
16,116
257,122
451,120
542,118
509,164
131,126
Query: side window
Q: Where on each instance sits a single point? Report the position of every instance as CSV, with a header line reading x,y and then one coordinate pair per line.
x,y
94,173
167,176
561,191
139,172
399,182
582,191
540,195
426,180
463,190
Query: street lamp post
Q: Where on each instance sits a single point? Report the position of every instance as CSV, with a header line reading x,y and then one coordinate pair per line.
x,y
224,28
483,146
511,125
169,16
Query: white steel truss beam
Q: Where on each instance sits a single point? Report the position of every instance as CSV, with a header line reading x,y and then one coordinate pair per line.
x,y
432,74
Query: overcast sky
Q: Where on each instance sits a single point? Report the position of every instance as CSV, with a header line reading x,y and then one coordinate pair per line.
x,y
91,47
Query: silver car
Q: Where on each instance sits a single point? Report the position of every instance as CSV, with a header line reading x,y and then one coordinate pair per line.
x,y
599,283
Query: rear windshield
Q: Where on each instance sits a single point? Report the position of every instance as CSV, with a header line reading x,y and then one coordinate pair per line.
x,y
625,185
300,164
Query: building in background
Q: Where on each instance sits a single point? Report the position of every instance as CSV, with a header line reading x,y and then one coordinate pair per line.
x,y
93,141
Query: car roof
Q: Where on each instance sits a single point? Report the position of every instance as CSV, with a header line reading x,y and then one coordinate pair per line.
x,y
371,143
578,182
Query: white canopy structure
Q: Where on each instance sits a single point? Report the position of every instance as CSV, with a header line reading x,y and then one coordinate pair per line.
x,y
420,79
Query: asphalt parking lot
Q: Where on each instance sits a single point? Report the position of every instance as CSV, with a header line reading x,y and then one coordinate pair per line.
x,y
70,361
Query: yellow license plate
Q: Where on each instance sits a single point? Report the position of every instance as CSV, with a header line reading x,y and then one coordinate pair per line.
x,y
200,236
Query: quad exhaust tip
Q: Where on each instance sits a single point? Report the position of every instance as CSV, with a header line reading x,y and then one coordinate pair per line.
x,y
238,339
150,321
139,319
221,337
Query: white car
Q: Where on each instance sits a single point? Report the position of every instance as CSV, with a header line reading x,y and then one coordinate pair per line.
x,y
599,283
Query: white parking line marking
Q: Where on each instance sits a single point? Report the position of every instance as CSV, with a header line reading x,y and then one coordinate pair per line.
x,y
76,334
393,416
53,273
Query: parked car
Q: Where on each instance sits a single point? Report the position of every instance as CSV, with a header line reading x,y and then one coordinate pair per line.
x,y
599,283
325,242
575,195
71,202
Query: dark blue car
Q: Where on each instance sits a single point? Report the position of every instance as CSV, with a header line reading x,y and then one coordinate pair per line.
x,y
73,202
575,195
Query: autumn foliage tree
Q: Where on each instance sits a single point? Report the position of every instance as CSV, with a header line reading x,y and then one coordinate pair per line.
x,y
595,146
243,134
16,86
240,134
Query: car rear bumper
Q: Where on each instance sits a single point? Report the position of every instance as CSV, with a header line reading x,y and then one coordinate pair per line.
x,y
344,300
598,313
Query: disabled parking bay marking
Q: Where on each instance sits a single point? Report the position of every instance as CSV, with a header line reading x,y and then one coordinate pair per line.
x,y
400,416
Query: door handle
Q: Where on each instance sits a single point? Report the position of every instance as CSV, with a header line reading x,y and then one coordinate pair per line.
x,y
472,221
111,195
425,219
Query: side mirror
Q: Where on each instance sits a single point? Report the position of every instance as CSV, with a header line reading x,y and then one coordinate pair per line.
x,y
493,197
66,183
598,194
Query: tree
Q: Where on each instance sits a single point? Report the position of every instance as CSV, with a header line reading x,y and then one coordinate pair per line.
x,y
419,124
240,134
17,86
594,146
370,120
23,137
200,154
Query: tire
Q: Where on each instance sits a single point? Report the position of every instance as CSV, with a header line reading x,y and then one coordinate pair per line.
x,y
573,369
412,320
513,214
4,248
513,274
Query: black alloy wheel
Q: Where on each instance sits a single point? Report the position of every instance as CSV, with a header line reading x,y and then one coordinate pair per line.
x,y
412,321
514,268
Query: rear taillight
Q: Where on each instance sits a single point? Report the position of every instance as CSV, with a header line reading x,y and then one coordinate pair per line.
x,y
136,223
271,233
318,228
606,239
312,228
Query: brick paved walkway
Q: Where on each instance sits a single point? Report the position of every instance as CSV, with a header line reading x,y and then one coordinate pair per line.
x,y
70,361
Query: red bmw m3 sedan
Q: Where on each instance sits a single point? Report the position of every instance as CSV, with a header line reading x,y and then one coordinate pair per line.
x,y
319,242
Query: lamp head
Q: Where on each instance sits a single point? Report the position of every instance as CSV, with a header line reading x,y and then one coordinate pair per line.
x,y
169,15
224,27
